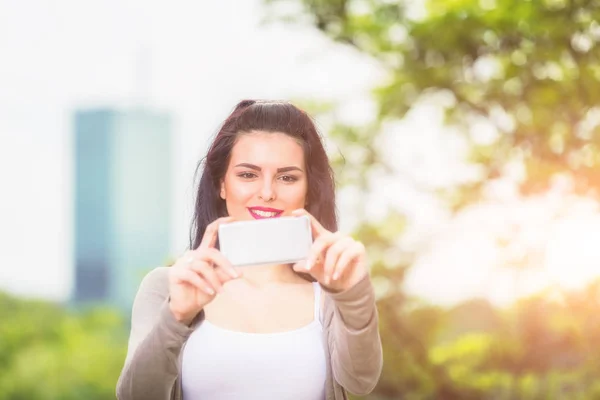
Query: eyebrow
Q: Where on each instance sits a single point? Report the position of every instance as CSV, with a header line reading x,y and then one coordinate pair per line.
x,y
279,170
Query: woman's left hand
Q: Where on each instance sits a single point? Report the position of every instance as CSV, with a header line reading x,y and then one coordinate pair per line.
x,y
336,261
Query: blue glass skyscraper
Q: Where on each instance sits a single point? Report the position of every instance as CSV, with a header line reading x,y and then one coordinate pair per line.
x,y
123,167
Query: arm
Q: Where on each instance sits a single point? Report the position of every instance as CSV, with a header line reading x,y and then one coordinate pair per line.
x,y
155,341
351,320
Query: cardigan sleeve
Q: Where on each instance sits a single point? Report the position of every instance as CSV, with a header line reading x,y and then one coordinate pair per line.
x,y
351,320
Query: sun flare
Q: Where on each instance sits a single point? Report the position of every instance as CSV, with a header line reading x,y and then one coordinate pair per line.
x,y
572,257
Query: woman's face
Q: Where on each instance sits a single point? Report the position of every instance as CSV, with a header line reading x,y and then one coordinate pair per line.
x,y
265,178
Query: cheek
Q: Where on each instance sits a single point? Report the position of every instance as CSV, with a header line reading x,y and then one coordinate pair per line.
x,y
236,192
296,194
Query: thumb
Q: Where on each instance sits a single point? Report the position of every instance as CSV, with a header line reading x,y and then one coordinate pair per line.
x,y
300,266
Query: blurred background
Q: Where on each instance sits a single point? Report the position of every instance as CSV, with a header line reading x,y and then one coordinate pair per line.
x,y
465,136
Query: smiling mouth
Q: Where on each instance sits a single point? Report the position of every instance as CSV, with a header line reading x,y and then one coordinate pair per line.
x,y
258,213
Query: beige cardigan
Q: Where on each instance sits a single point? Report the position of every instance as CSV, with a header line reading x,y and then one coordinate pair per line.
x,y
153,363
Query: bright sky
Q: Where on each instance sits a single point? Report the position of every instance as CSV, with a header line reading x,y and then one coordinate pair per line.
x,y
203,58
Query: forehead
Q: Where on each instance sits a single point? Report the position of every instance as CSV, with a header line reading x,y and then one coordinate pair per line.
x,y
267,148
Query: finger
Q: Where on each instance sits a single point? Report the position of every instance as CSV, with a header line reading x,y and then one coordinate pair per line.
x,y
316,227
209,239
355,251
300,266
222,267
208,273
319,247
217,258
186,258
332,256
222,275
190,277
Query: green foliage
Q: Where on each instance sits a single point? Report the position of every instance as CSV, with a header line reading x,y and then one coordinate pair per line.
x,y
543,350
47,352
537,349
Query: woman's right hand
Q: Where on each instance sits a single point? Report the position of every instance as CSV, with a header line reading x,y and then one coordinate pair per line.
x,y
197,276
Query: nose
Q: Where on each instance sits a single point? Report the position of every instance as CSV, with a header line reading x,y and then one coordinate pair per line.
x,y
267,191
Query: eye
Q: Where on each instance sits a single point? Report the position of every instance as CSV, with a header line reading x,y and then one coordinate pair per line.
x,y
247,175
288,178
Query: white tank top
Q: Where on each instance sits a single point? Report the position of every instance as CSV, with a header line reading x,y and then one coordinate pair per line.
x,y
220,364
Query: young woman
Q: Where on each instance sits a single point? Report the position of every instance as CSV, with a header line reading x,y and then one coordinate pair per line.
x,y
203,329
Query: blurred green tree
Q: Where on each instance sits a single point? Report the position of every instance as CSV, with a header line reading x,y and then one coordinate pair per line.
x,y
50,353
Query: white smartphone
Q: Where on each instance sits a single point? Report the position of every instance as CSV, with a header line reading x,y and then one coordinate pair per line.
x,y
266,241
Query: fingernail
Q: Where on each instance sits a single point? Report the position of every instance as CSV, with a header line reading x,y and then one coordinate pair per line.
x,y
335,276
308,265
209,291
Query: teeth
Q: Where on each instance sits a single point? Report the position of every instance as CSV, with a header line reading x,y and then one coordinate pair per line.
x,y
264,213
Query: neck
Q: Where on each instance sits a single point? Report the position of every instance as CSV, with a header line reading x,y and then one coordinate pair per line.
x,y
262,275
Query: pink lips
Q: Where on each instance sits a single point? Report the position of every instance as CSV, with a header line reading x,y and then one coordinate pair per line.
x,y
273,212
